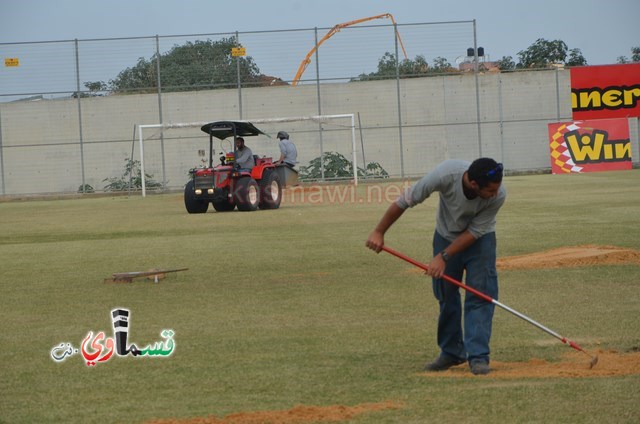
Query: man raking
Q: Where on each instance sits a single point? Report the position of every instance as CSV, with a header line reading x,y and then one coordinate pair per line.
x,y
464,240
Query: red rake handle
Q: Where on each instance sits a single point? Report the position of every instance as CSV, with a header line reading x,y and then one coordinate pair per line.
x,y
444,277
486,298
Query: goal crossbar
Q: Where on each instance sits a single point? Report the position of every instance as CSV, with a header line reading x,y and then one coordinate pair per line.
x,y
316,118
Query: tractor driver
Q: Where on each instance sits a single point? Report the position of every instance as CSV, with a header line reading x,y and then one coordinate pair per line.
x,y
244,155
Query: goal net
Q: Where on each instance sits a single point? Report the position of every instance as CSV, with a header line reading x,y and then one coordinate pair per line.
x,y
168,151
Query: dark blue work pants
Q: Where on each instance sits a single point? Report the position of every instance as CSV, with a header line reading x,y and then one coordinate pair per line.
x,y
479,262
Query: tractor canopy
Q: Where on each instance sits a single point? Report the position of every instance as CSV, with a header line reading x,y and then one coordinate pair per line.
x,y
224,129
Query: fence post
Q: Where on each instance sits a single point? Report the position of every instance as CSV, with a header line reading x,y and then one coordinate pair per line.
x,y
557,97
238,77
160,114
501,111
1,157
78,96
319,105
395,34
475,72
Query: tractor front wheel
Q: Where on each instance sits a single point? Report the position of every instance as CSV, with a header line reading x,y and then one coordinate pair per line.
x,y
246,194
193,204
223,204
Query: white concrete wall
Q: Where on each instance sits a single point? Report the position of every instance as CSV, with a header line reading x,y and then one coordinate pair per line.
x,y
42,153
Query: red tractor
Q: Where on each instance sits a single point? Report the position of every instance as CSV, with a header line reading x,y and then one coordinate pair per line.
x,y
226,185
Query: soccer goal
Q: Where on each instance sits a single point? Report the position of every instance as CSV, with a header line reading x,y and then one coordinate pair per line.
x,y
313,135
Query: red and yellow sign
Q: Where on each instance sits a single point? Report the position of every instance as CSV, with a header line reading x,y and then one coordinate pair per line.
x,y
590,146
608,91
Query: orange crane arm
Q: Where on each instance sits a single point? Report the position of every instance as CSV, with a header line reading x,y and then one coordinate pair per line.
x,y
305,62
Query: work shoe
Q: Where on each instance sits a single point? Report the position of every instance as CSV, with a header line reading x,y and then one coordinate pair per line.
x,y
443,363
479,367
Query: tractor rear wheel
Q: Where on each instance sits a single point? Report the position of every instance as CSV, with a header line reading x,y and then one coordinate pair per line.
x,y
246,194
193,204
270,190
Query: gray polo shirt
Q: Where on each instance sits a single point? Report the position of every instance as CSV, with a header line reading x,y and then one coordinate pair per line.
x,y
288,149
245,158
456,213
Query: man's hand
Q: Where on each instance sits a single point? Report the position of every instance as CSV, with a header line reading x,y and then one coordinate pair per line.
x,y
375,241
376,238
436,267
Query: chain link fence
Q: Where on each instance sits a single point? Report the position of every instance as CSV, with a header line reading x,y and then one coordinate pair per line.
x,y
64,128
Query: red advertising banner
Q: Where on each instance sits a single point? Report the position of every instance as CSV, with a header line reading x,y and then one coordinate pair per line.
x,y
607,91
590,146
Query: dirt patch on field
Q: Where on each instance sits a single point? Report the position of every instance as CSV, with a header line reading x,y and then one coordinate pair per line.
x,y
573,365
563,257
300,414
572,257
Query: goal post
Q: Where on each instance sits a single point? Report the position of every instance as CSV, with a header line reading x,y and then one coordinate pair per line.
x,y
320,119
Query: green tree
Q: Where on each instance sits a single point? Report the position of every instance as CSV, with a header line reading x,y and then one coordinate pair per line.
x,y
200,64
96,86
441,65
407,68
544,53
412,68
635,56
387,67
506,64
576,58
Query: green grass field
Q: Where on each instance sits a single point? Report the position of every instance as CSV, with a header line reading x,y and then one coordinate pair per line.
x,y
287,307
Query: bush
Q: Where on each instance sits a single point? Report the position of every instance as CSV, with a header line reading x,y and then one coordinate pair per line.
x,y
132,179
85,188
336,166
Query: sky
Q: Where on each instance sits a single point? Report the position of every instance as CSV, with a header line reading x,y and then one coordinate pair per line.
x,y
602,29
